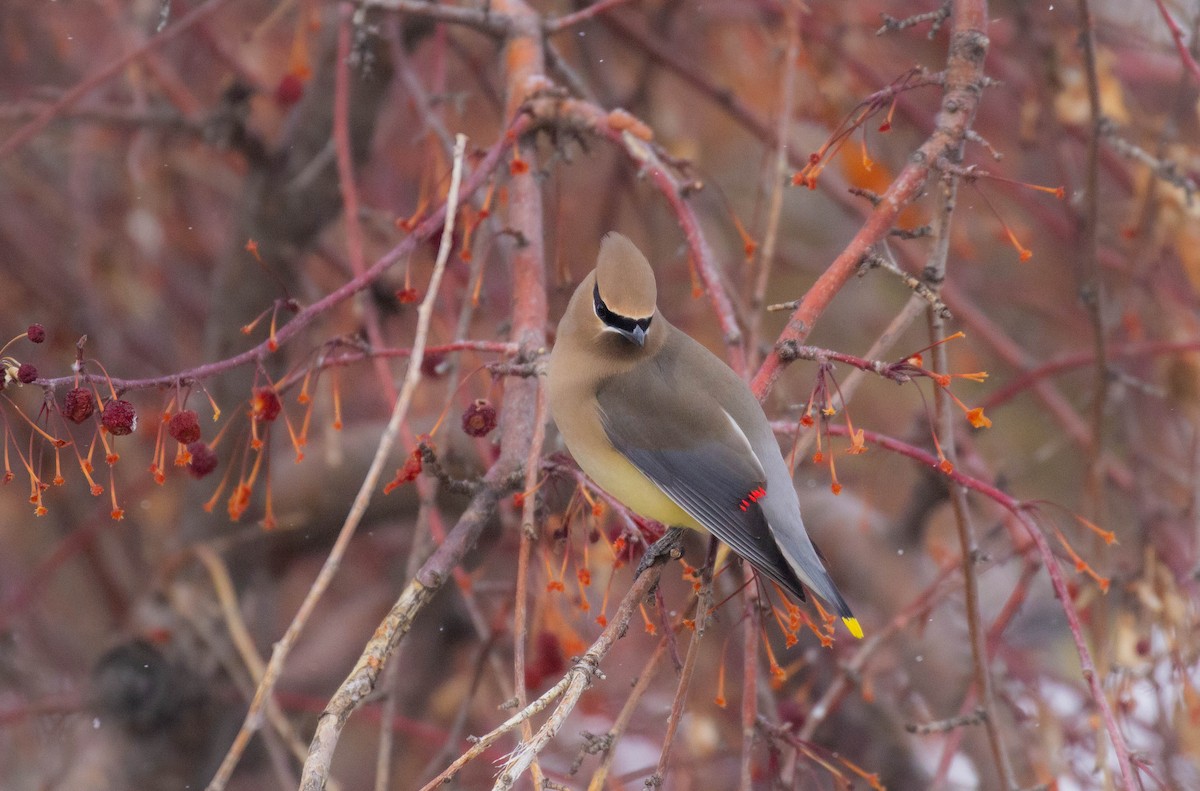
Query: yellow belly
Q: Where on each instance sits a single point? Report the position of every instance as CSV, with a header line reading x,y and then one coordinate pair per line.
x,y
626,483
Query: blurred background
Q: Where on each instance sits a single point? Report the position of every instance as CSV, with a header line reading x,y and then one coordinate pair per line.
x,y
174,197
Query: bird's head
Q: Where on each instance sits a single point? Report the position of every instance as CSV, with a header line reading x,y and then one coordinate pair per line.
x,y
623,291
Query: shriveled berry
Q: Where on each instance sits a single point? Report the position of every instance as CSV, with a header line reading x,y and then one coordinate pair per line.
x,y
480,418
204,459
78,405
119,417
36,333
27,373
184,427
265,404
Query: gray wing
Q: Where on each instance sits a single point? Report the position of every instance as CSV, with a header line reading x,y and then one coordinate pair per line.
x,y
717,481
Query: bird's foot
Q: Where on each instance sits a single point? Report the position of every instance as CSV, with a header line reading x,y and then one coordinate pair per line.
x,y
669,547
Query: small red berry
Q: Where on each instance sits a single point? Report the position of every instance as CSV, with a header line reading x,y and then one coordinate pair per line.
x,y
78,405
204,459
480,418
265,405
36,333
119,417
407,296
27,373
184,427
289,90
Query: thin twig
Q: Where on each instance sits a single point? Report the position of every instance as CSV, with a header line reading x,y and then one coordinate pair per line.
x,y
573,684
1177,36
946,417
600,776
369,484
777,179
699,620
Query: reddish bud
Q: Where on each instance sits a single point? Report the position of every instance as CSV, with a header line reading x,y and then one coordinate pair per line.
x,y
204,459
184,427
27,373
119,417
36,333
479,419
78,405
265,405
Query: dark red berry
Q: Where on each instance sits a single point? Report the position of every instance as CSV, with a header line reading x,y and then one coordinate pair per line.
x,y
27,373
119,417
265,405
184,427
36,333
434,365
204,459
289,90
480,418
78,405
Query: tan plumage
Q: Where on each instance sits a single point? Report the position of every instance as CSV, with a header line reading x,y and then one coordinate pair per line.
x,y
667,428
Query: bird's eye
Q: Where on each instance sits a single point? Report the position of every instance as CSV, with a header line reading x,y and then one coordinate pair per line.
x,y
615,320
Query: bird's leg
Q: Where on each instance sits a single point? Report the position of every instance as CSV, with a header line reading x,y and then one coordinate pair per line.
x,y
668,547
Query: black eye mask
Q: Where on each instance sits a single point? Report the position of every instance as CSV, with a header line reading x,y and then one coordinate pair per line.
x,y
623,323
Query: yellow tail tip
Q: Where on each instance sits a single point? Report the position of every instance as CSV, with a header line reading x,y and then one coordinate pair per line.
x,y
852,625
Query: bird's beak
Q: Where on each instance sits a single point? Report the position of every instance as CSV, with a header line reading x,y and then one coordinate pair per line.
x,y
638,336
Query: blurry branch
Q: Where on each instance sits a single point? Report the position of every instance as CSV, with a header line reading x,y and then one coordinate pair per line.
x,y
26,132
1027,378
1165,169
1178,36
565,21
976,717
1022,512
699,622
111,114
963,87
685,68
1091,287
363,678
599,777
239,633
1057,404
777,179
635,140
370,481
934,275
577,680
569,689
481,19
935,19
481,173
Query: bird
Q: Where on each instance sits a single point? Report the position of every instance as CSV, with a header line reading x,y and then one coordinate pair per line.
x,y
665,427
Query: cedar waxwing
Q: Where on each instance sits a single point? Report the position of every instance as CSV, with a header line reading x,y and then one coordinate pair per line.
x,y
664,426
